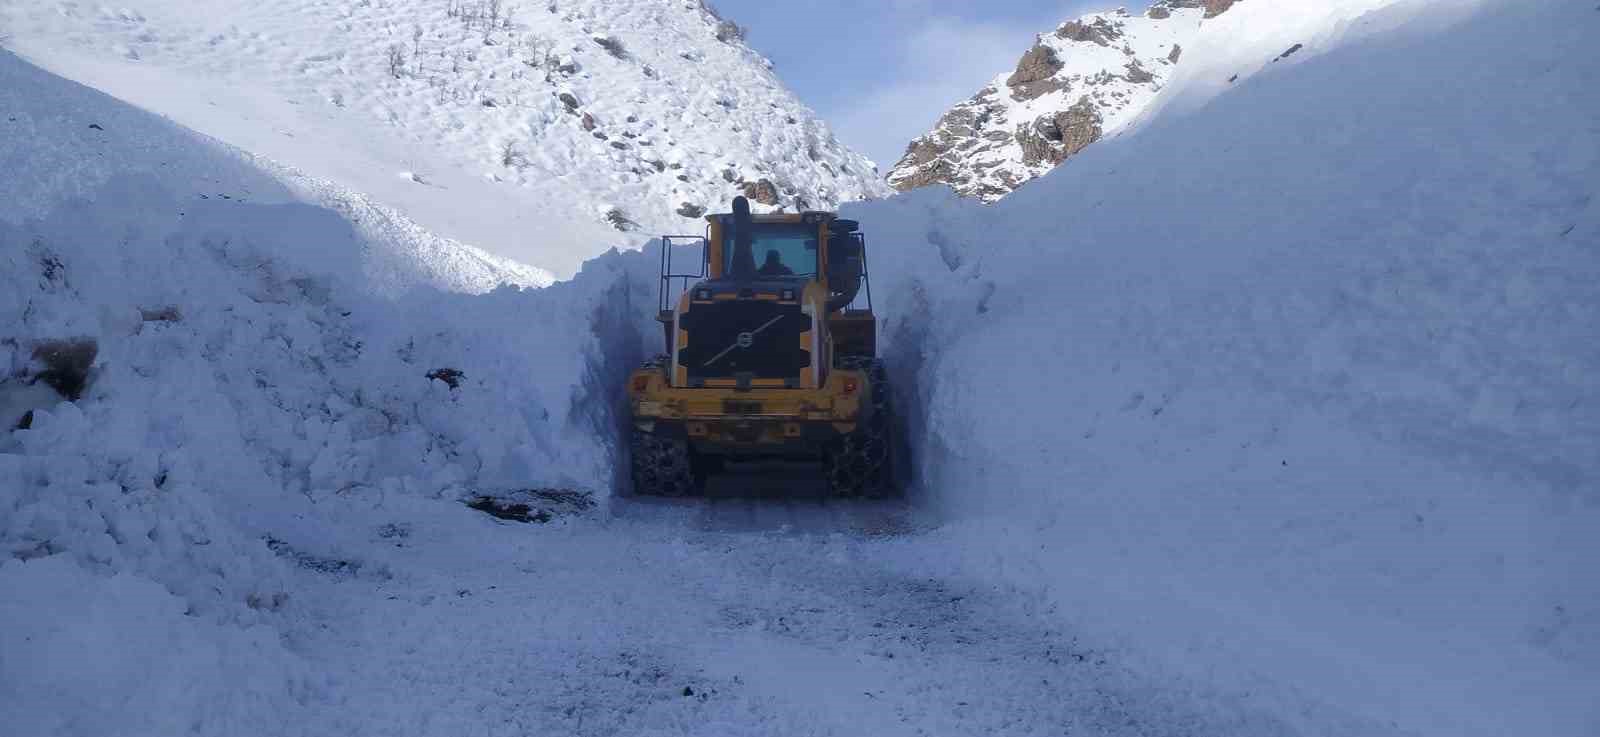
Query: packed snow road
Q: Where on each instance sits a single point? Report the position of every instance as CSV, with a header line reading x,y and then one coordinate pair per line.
x,y
736,616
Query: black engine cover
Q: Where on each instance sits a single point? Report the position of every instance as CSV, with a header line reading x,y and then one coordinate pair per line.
x,y
760,338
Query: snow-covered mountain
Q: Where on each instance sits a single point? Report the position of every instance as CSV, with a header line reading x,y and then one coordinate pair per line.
x,y
1077,84
563,122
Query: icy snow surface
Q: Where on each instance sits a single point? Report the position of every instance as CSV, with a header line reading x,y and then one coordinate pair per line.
x,y
473,135
1274,416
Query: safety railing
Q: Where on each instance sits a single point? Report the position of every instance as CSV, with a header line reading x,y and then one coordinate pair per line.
x,y
666,296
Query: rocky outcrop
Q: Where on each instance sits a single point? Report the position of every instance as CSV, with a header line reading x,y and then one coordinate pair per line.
x,y
1099,31
1052,138
1215,8
1035,74
1135,72
1074,86
1212,8
762,191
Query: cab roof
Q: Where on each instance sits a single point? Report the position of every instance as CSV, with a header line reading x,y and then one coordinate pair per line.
x,y
809,216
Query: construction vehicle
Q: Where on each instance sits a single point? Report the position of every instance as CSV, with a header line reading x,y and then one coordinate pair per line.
x,y
767,357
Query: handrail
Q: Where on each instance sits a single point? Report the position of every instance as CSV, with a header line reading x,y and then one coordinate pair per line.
x,y
667,274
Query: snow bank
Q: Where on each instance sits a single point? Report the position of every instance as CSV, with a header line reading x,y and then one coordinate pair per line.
x,y
89,654
1295,390
63,140
251,366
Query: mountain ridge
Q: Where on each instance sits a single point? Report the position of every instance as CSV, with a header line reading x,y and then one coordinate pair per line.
x,y
1080,82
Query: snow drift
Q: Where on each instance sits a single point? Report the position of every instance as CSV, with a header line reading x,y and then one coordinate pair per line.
x,y
254,358
1295,386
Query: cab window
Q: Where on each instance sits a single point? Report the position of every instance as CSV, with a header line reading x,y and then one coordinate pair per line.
x,y
780,249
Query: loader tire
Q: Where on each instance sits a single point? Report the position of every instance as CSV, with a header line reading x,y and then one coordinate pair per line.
x,y
861,463
661,466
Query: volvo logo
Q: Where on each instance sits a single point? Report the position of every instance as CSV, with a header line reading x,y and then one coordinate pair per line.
x,y
744,340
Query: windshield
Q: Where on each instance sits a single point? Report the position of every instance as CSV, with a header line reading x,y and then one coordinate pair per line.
x,y
780,249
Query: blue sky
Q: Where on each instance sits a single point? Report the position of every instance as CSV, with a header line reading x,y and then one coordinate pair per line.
x,y
881,71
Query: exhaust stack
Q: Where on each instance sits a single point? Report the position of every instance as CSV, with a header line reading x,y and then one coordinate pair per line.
x,y
743,268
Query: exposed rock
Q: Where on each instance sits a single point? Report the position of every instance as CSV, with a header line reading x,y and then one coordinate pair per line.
x,y
762,191
932,171
588,122
1289,53
569,101
729,32
612,45
1038,142
1079,126
620,221
1177,52
1035,90
1215,8
1051,139
1040,62
691,210
1100,31
730,176
1137,73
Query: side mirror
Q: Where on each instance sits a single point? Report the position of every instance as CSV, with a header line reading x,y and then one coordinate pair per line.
x,y
842,252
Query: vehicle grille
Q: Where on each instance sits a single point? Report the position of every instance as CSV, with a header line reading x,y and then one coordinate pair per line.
x,y
731,339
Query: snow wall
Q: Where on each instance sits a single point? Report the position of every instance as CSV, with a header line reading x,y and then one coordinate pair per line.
x,y
1295,386
259,364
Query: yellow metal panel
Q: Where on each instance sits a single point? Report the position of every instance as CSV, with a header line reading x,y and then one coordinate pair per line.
x,y
680,375
808,375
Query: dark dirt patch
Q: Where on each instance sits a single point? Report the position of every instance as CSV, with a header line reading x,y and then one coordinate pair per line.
x,y
451,377
533,505
66,364
320,564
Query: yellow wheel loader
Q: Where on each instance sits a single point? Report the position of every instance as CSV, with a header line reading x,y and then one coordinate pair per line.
x,y
767,356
